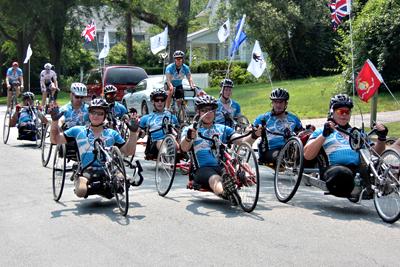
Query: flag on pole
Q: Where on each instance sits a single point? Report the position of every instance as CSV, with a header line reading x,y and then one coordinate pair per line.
x,y
239,37
339,10
224,31
106,46
368,81
28,54
89,32
257,64
159,42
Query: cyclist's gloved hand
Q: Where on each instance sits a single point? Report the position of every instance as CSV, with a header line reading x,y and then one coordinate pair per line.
x,y
55,113
18,108
287,133
327,129
381,131
131,122
256,131
191,134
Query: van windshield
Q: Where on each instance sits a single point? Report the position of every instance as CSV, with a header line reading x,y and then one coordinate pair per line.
x,y
128,76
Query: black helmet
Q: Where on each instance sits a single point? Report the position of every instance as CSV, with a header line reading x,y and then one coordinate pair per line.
x,y
29,95
279,94
340,100
110,89
158,92
206,100
179,53
226,83
99,103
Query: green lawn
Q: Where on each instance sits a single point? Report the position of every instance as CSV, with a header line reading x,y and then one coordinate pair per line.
x,y
309,98
394,129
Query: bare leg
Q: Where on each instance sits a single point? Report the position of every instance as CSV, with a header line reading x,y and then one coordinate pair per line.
x,y
9,94
215,183
44,95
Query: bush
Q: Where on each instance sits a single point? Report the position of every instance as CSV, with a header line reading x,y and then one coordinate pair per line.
x,y
153,70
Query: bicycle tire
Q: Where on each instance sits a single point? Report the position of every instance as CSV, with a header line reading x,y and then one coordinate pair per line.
x,y
165,166
387,187
6,126
59,166
289,169
47,146
120,184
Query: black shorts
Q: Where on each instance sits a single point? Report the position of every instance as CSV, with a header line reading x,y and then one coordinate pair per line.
x,y
179,93
151,151
203,174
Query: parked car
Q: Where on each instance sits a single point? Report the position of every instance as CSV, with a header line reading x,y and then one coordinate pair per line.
x,y
121,76
139,97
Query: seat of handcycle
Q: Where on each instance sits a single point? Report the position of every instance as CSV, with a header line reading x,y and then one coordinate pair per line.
x,y
27,131
97,184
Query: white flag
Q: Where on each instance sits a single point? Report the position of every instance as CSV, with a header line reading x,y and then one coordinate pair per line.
x,y
257,64
28,54
224,31
159,42
106,46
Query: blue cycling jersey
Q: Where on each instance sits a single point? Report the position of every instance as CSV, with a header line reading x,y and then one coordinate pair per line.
x,y
154,121
337,148
118,110
25,115
84,138
233,108
74,117
13,75
276,124
177,76
202,147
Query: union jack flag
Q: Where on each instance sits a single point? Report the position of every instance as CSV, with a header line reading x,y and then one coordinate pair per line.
x,y
89,32
339,10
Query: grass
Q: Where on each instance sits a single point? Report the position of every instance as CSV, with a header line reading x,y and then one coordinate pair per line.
x,y
309,98
394,129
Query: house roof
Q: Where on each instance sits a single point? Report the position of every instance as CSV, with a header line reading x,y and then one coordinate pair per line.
x,y
203,36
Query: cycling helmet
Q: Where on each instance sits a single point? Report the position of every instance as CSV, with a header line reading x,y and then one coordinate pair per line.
x,y
339,101
110,89
79,89
99,103
48,66
179,53
226,83
29,95
15,63
206,100
158,92
279,94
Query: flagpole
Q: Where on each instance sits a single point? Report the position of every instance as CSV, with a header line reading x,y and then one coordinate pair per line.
x,y
352,57
29,75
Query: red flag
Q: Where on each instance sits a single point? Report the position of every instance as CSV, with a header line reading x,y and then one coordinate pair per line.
x,y
368,81
89,32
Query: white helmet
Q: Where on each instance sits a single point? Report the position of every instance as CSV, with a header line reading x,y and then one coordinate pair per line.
x,y
48,66
79,89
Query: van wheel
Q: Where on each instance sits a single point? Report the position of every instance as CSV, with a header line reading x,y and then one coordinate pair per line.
x,y
145,109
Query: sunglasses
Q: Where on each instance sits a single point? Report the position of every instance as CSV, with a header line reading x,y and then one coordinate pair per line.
x,y
159,100
98,113
204,110
342,111
79,97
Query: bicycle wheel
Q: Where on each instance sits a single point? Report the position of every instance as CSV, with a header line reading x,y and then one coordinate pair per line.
x,y
182,115
39,133
6,126
289,169
119,182
166,165
247,177
59,166
387,193
47,146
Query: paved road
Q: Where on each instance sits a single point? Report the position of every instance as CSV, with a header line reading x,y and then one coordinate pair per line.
x,y
185,228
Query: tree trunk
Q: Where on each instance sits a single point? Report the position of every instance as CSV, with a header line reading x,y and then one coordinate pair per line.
x,y
128,31
178,34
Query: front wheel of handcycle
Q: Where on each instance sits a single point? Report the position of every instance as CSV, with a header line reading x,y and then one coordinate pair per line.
x,y
166,165
47,146
247,177
120,184
387,186
6,126
59,166
289,169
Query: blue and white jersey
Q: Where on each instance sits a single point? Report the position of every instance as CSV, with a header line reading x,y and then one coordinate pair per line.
x,y
74,117
337,148
275,124
177,76
13,75
202,147
118,110
154,121
25,115
84,138
233,108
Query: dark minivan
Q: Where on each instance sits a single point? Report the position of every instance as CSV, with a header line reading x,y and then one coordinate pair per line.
x,y
121,76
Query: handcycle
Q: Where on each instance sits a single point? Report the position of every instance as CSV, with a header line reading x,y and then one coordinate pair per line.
x,y
10,110
239,164
179,104
113,181
239,123
382,183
